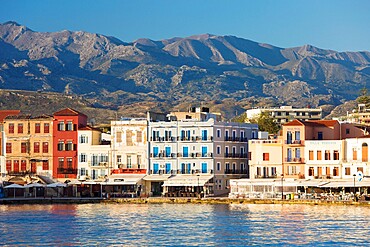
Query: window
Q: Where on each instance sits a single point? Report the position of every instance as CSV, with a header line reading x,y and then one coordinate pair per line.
x,y
8,148
218,133
311,171
60,146
69,126
129,163
16,165
226,135
83,139
23,165
61,162
242,135
347,131
319,155
94,160
167,151
119,136
297,135
249,155
11,128
119,158
218,150
69,146
336,155
204,135
155,151
364,152
69,162
61,126
24,147
83,172
46,128
320,135
139,136
204,151
185,151
218,166
289,137
83,157
327,155
45,147
266,156
20,128
204,167
37,128
129,138
310,155
347,171
354,154
139,161
8,165
336,171
45,165
36,147
298,153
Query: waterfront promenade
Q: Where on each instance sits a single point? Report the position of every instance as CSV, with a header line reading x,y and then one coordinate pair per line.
x,y
179,200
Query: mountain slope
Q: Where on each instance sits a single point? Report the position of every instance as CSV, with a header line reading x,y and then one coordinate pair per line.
x,y
225,72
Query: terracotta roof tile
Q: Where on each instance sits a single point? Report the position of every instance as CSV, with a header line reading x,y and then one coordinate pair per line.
x,y
68,112
5,113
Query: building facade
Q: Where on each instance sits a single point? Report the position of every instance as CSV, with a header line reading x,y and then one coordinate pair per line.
x,y
94,162
65,142
202,155
29,142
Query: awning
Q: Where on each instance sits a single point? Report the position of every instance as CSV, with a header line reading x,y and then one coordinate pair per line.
x,y
156,177
124,179
348,183
187,180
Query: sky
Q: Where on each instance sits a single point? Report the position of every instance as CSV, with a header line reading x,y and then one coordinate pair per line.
x,y
329,24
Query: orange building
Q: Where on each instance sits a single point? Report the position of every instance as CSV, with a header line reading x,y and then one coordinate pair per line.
x,y
28,145
296,132
65,140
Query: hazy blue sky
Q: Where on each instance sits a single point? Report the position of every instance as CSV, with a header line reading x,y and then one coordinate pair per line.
x,y
330,24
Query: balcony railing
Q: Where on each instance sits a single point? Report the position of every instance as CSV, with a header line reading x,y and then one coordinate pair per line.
x,y
294,160
234,171
236,139
67,171
294,142
235,155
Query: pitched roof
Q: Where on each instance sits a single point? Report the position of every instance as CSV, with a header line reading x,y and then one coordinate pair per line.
x,y
89,128
312,123
68,112
5,113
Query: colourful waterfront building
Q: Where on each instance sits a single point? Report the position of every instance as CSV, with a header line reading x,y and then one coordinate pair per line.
x,y
65,142
29,143
194,152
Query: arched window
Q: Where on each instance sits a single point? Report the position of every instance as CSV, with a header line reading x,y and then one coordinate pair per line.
x,y
364,152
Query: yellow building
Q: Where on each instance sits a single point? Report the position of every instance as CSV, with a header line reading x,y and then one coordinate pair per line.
x,y
28,145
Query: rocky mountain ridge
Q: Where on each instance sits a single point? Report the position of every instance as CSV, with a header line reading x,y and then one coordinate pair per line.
x,y
226,73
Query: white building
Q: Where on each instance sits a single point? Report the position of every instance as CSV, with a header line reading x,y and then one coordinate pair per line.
x,y
323,159
93,157
285,114
189,156
356,157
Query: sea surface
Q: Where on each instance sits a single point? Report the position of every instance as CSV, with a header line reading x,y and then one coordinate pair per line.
x,y
183,225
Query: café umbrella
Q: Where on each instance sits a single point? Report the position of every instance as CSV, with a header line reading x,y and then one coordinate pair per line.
x,y
56,185
35,185
14,186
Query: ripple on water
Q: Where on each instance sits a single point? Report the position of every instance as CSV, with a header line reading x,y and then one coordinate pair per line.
x,y
183,225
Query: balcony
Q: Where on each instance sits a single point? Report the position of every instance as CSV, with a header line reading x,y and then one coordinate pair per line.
x,y
265,176
294,142
235,155
20,173
236,139
294,160
233,171
67,171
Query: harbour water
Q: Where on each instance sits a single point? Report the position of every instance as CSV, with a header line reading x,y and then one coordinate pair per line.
x,y
183,225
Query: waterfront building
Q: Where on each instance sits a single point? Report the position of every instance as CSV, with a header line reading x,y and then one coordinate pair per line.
x,y
356,157
129,152
191,155
29,142
265,157
297,132
3,115
65,142
285,114
93,155
323,159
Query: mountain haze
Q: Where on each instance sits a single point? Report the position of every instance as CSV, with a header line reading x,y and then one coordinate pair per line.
x,y
226,73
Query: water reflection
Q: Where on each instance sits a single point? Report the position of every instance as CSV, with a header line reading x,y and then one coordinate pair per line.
x,y
183,224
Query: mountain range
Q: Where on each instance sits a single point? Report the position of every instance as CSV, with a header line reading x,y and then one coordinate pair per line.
x,y
226,73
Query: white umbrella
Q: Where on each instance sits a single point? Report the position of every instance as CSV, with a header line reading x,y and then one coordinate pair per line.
x,y
35,185
55,185
14,186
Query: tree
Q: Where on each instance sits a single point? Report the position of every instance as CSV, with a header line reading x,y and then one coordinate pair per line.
x,y
364,97
266,123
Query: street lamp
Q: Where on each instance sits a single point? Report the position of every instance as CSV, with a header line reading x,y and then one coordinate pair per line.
x,y
354,183
282,186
